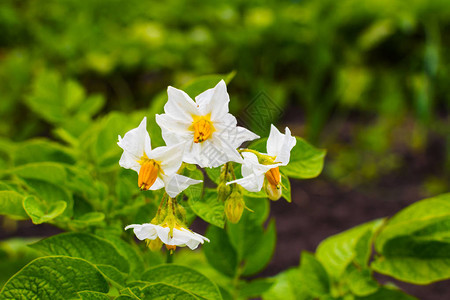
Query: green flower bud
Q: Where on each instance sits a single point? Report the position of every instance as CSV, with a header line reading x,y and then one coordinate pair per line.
x,y
224,191
234,206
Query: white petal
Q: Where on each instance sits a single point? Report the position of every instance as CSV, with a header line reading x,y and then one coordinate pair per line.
x,y
129,161
178,183
252,183
275,141
163,234
158,184
280,145
136,141
170,158
144,231
170,123
179,105
214,101
251,165
174,137
179,238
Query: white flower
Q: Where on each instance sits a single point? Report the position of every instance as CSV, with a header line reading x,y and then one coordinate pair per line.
x,y
157,168
180,237
206,129
254,172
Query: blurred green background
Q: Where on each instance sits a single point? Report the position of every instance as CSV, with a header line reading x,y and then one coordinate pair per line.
x,y
368,80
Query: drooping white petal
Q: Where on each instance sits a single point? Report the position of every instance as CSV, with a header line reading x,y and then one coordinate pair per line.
x,y
181,237
134,144
194,239
280,145
176,183
170,158
214,101
163,234
144,231
179,105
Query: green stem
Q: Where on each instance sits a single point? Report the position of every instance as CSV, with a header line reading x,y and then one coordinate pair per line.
x,y
169,258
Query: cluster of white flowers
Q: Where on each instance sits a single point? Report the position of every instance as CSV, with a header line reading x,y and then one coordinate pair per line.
x,y
201,132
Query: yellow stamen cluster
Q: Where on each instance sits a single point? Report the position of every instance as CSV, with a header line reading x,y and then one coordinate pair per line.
x,y
272,185
148,173
273,177
202,127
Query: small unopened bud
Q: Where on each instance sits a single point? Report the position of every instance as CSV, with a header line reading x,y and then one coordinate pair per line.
x,y
154,245
234,206
223,191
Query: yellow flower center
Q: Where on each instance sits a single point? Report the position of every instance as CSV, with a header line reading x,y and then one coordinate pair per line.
x,y
202,127
273,177
148,173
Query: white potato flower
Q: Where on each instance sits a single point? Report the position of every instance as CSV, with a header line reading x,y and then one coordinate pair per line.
x,y
207,130
180,236
254,171
157,168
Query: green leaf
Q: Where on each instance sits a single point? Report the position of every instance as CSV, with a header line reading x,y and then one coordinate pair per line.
x,y
11,205
213,174
286,190
106,151
259,253
220,253
92,105
260,209
336,252
313,275
255,288
363,249
305,162
114,276
287,286
89,295
88,219
414,246
161,291
418,216
207,207
41,212
54,277
83,245
51,193
41,150
415,261
386,293
129,253
47,171
183,278
360,282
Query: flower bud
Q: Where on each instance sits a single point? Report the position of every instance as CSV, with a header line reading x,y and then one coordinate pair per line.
x,y
234,206
223,190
